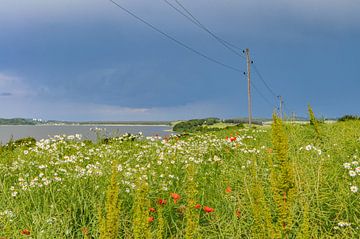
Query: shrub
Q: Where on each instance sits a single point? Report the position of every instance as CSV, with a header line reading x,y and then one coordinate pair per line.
x,y
348,117
191,125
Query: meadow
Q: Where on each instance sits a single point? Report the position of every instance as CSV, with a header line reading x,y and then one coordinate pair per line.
x,y
283,181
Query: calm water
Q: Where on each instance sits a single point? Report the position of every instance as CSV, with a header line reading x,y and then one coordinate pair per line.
x,y
45,131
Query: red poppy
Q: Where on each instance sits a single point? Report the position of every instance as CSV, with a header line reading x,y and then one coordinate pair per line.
x,y
228,189
151,219
162,201
238,213
208,209
175,196
232,139
25,232
197,206
152,209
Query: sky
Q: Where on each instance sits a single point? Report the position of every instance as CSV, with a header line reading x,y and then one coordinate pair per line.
x,y
89,60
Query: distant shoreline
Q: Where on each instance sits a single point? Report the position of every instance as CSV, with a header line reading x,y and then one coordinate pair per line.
x,y
141,125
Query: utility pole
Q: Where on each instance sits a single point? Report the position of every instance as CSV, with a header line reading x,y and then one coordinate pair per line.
x,y
281,102
248,61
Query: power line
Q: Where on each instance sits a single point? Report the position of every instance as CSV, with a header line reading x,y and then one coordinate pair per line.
x,y
225,43
265,83
174,39
270,89
261,94
199,24
195,21
223,40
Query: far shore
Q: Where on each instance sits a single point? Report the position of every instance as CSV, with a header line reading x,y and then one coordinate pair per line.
x,y
142,125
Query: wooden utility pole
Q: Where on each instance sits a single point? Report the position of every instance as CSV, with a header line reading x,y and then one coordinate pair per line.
x,y
281,102
248,61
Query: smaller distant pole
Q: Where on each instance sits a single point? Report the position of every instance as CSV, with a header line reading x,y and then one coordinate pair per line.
x,y
248,61
281,102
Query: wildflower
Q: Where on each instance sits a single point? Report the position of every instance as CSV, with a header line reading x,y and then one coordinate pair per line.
x,y
352,173
238,213
216,158
175,196
25,232
162,201
228,189
152,209
346,165
354,189
208,209
344,224
197,206
151,219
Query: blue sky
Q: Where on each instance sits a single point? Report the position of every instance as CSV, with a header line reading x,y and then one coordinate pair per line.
x,y
89,60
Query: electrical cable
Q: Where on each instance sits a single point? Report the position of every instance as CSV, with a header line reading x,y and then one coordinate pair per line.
x,y
195,21
174,39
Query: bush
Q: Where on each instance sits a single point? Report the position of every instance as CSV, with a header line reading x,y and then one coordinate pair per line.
x,y
24,142
192,125
242,121
349,117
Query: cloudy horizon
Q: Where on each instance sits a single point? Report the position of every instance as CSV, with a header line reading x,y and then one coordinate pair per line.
x,y
81,60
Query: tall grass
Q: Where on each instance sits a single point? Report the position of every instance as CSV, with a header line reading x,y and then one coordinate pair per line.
x,y
277,182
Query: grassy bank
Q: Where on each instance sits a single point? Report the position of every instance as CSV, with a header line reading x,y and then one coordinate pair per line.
x,y
286,181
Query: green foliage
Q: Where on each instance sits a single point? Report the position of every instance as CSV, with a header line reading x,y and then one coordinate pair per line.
x,y
191,125
282,176
348,117
260,205
314,122
191,214
67,188
20,143
141,228
109,226
243,121
16,121
160,230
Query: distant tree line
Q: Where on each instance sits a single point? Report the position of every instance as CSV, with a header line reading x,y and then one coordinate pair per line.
x,y
194,124
349,117
17,121
242,121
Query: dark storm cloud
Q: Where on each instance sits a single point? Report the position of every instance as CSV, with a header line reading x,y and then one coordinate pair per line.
x,y
82,52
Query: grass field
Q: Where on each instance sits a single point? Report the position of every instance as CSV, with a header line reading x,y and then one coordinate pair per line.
x,y
287,181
